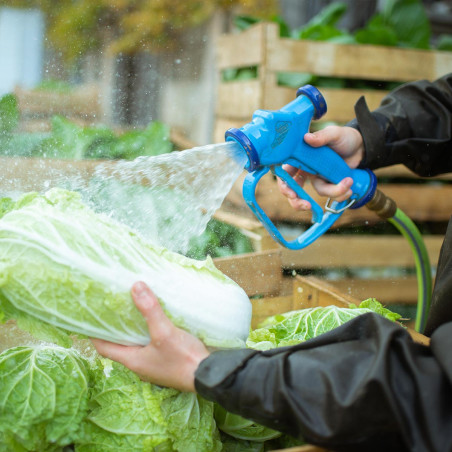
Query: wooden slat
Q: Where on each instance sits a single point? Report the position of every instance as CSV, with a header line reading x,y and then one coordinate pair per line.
x,y
356,61
265,307
340,102
356,251
82,102
310,292
421,202
22,174
256,273
397,290
402,172
232,53
223,124
238,100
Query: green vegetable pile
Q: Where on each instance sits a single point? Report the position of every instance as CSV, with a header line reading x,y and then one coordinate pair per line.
x,y
53,397
65,269
399,23
68,140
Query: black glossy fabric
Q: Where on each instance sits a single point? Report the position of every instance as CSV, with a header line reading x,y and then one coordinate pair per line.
x,y
365,386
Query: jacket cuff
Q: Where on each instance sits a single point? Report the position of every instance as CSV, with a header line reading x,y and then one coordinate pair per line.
x,y
374,130
219,370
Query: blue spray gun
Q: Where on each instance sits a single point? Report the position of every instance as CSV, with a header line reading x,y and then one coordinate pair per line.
x,y
274,138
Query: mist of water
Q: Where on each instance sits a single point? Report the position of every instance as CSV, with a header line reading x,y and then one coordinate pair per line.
x,y
169,198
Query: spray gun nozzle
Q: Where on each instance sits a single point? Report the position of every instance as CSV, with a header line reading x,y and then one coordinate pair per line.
x,y
237,135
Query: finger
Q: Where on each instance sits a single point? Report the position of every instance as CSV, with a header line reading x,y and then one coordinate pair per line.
x,y
300,204
285,189
116,352
289,169
160,327
339,192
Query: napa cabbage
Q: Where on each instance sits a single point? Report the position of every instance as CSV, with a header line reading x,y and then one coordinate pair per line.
x,y
131,415
44,393
71,269
293,327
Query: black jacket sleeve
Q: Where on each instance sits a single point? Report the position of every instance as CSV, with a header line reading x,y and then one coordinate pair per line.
x,y
363,386
412,126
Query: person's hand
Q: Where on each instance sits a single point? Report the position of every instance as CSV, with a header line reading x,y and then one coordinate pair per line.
x,y
172,356
348,143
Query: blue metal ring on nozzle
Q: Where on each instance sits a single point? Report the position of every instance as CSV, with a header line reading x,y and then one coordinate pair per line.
x,y
315,96
247,145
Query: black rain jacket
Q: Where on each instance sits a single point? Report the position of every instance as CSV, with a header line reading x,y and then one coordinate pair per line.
x,y
365,386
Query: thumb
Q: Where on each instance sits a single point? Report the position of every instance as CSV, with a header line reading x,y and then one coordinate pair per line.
x,y
147,303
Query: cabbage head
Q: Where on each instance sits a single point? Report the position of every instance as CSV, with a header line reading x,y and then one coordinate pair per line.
x,y
127,414
44,393
293,327
71,268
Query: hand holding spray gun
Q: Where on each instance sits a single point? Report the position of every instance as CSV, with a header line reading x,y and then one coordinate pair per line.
x,y
275,138
348,143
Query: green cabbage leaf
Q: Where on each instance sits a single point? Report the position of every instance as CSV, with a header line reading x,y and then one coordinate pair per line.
x,y
240,428
293,327
128,414
44,393
71,269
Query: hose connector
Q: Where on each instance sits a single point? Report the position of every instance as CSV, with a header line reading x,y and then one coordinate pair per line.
x,y
382,205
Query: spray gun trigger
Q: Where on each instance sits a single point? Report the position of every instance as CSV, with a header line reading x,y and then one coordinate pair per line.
x,y
329,202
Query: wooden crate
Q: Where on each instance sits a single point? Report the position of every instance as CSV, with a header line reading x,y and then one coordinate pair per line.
x,y
260,46
428,202
37,107
423,200
260,274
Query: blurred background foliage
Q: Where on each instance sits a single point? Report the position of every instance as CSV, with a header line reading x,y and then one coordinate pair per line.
x,y
129,26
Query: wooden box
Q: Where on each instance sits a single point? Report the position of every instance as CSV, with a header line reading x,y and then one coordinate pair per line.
x,y
260,274
261,47
425,201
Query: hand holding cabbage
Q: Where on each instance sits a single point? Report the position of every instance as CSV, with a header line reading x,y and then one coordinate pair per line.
x,y
173,355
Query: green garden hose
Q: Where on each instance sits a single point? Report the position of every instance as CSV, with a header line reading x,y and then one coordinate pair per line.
x,y
386,208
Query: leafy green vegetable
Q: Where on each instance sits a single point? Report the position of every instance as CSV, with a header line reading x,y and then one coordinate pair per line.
x,y
241,428
231,444
190,422
68,140
410,22
52,397
377,32
219,240
63,265
71,141
9,114
43,397
297,326
125,413
444,43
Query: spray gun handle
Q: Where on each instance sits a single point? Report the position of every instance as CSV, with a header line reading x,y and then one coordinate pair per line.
x,y
322,221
